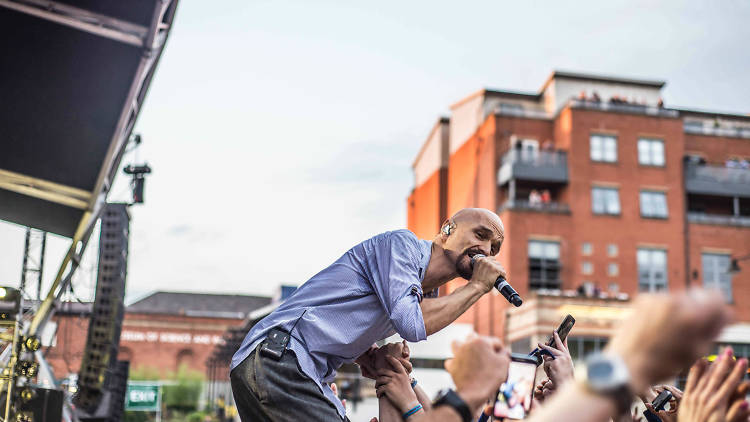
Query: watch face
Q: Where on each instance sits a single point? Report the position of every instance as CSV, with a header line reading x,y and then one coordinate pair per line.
x,y
600,371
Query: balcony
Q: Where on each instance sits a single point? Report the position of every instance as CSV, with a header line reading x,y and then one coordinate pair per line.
x,y
718,219
717,180
699,128
624,108
524,205
535,166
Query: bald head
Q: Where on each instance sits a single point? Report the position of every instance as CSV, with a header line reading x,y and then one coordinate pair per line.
x,y
480,215
469,232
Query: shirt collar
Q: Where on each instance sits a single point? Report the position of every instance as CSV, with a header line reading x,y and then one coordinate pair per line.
x,y
425,247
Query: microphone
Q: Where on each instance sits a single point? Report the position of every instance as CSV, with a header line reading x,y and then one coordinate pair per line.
x,y
502,286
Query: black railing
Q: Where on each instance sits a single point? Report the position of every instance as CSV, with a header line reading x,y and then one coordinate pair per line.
x,y
648,110
526,205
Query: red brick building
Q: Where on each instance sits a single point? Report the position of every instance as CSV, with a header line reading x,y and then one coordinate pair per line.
x,y
161,331
601,189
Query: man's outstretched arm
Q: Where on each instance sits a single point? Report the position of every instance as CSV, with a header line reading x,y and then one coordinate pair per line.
x,y
439,312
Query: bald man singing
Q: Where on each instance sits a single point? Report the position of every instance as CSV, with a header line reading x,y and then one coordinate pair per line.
x,y
284,367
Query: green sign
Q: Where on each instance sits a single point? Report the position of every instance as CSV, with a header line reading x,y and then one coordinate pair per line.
x,y
144,396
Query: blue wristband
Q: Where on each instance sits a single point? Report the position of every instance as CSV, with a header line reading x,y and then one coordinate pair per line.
x,y
413,383
412,411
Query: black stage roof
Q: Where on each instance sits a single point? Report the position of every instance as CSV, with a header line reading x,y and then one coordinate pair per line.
x,y
74,76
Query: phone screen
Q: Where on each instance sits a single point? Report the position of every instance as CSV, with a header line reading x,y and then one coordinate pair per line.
x,y
562,330
514,397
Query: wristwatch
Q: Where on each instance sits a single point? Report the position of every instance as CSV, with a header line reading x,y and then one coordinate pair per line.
x,y
607,375
448,397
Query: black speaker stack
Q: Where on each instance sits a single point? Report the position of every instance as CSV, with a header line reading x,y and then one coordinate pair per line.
x,y
101,376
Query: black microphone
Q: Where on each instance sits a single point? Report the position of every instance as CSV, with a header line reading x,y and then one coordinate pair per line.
x,y
502,286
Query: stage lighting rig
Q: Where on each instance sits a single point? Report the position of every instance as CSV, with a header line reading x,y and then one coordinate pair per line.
x,y
139,173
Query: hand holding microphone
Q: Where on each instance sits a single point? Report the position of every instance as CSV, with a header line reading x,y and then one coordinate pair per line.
x,y
502,285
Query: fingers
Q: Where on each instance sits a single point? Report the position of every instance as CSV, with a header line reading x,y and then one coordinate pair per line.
x,y
496,343
738,411
335,389
405,364
397,364
695,375
558,343
734,378
676,393
554,352
405,352
722,367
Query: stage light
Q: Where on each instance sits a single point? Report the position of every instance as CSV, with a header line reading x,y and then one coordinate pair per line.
x,y
32,343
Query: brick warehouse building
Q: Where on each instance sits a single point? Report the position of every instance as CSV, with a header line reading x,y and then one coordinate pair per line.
x,y
161,331
604,193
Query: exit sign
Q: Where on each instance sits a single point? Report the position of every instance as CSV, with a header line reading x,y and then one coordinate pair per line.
x,y
143,396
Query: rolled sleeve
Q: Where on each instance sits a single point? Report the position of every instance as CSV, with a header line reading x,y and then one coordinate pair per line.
x,y
396,281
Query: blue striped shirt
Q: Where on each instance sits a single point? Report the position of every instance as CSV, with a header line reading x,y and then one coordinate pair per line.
x,y
370,293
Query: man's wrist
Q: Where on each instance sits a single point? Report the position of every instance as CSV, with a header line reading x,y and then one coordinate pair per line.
x,y
637,368
473,400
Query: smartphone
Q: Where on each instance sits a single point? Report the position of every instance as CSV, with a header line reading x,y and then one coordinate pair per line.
x,y
514,396
661,400
565,326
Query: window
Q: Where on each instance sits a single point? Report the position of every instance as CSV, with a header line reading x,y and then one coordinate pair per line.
x,y
653,204
544,265
651,152
603,148
716,273
605,201
652,269
586,248
612,249
582,347
587,267
613,269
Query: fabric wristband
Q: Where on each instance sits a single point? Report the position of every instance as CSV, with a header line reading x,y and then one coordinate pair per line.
x,y
412,411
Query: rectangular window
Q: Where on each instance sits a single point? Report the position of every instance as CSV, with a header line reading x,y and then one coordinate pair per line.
x,y
603,148
605,201
612,249
613,269
587,268
652,269
716,273
582,347
653,204
544,265
650,152
586,248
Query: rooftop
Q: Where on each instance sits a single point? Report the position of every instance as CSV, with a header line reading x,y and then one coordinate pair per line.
x,y
198,304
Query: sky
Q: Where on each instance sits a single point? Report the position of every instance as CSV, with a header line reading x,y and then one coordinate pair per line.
x,y
281,133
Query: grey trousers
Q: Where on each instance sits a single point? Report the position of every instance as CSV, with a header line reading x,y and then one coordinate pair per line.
x,y
267,390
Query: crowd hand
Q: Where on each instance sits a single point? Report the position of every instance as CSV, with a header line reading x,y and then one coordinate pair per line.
x,y
665,333
400,351
544,389
485,272
665,415
558,365
711,392
478,367
366,362
393,382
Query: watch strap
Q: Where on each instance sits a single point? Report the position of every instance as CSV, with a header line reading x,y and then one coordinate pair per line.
x,y
450,398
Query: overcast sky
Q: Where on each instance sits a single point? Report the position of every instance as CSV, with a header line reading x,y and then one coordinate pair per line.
x,y
281,133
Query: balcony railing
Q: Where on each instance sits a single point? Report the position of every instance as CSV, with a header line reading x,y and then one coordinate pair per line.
x,y
730,131
506,110
540,166
722,220
524,205
717,180
624,108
